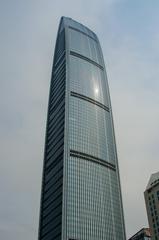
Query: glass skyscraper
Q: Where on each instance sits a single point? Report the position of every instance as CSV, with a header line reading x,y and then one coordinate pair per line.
x,y
81,197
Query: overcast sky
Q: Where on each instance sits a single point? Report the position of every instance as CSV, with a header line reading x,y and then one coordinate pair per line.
x,y
129,34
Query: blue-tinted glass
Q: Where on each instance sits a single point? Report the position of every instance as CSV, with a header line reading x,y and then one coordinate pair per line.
x,y
89,201
90,130
87,79
85,46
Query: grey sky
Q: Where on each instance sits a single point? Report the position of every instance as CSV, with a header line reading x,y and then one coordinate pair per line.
x,y
129,35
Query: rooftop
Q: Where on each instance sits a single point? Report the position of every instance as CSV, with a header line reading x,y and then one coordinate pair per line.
x,y
154,179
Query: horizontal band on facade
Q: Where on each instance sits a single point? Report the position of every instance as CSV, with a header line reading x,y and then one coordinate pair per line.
x,y
77,30
91,158
88,99
86,59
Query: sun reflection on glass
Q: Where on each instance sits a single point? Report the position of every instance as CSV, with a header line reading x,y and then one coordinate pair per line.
x,y
96,90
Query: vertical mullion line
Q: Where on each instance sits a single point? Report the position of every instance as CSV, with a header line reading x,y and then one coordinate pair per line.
x,y
101,167
88,164
65,154
98,168
63,187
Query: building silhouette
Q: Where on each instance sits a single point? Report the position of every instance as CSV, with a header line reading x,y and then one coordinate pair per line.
x,y
143,234
152,204
81,196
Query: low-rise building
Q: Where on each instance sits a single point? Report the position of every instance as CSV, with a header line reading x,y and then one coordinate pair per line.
x,y
143,234
152,205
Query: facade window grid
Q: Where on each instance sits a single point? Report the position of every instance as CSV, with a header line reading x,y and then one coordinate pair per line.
x,y
90,79
74,123
75,29
74,94
75,54
93,159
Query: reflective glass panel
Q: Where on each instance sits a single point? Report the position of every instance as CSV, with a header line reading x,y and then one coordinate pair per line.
x,y
85,46
89,130
87,79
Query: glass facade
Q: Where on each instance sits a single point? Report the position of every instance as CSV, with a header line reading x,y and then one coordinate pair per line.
x,y
81,197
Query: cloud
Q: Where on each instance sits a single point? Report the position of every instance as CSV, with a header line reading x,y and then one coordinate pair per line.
x,y
131,53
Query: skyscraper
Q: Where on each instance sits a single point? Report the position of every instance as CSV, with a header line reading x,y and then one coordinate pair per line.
x,y
81,197
152,205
